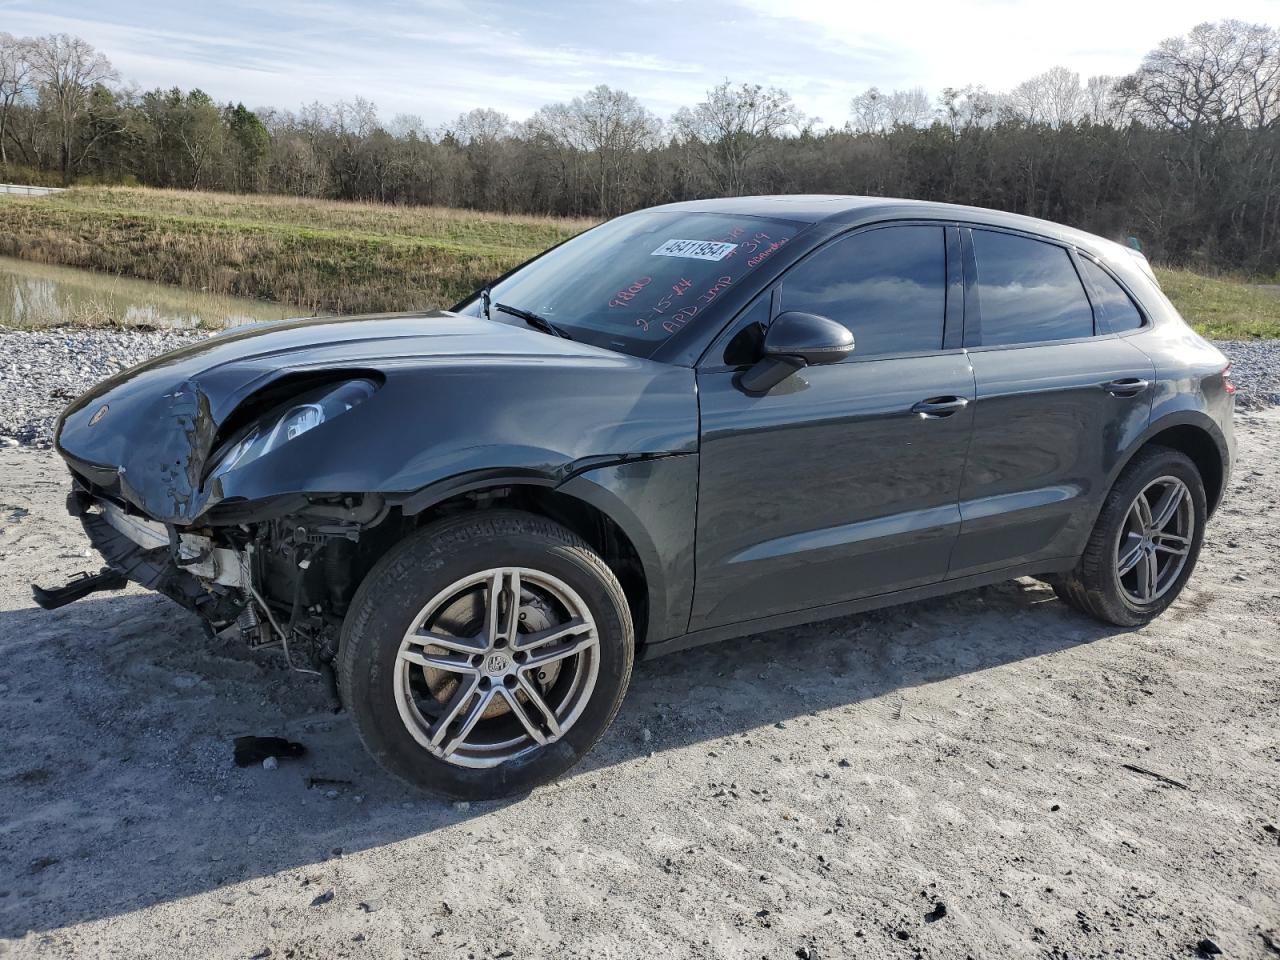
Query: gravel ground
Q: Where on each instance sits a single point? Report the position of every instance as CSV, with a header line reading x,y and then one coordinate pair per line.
x,y
41,371
977,775
1255,369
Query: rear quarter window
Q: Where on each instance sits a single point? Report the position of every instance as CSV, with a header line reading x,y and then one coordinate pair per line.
x,y
1117,312
1029,291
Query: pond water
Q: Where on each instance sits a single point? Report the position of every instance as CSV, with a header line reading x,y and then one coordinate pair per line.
x,y
38,295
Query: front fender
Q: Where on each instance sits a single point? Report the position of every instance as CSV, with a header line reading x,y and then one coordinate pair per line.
x,y
430,424
652,500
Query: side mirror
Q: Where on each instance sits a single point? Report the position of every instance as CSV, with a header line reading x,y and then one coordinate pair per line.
x,y
795,340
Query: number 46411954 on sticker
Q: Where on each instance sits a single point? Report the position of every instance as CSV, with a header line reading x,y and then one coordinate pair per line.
x,y
695,249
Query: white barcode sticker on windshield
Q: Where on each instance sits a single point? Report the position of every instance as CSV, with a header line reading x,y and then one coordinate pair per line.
x,y
695,249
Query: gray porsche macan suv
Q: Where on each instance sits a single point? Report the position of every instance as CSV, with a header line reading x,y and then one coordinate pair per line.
x,y
689,423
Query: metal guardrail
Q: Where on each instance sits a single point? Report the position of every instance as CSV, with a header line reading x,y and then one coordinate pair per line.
x,y
25,190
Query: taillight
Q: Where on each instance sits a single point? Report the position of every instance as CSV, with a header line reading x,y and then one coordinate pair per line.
x,y
1226,379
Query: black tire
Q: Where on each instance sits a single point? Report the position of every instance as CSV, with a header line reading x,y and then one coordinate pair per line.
x,y
428,562
1094,586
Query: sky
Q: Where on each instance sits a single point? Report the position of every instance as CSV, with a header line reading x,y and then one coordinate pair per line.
x,y
435,59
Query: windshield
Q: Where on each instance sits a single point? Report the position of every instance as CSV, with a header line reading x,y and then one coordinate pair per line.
x,y
634,282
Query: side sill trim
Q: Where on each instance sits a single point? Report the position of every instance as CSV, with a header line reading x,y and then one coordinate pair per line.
x,y
826,612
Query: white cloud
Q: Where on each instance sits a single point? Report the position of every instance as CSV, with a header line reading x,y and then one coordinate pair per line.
x,y
997,43
437,58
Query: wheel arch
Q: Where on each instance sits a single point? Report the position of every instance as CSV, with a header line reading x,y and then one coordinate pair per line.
x,y
1200,439
588,509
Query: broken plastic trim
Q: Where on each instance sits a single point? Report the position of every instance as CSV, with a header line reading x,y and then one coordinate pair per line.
x,y
78,587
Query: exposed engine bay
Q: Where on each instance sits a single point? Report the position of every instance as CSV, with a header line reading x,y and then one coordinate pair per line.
x,y
282,582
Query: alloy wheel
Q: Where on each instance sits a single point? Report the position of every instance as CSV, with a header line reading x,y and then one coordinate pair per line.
x,y
496,665
1155,540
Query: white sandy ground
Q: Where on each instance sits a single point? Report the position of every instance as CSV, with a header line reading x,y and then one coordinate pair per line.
x,y
821,788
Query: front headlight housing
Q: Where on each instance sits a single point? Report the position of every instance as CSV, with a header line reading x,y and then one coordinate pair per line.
x,y
291,420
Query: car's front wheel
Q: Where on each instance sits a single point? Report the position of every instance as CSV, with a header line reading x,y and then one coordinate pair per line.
x,y
485,654
1144,545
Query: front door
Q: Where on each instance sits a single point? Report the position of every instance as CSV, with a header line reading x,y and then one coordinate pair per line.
x,y
842,482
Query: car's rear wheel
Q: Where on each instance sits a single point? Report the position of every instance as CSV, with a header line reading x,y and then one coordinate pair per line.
x,y
1145,543
485,654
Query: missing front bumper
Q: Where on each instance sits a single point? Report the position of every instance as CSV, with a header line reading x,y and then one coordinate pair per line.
x,y
195,554
199,576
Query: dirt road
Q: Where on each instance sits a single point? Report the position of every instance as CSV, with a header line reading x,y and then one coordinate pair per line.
x,y
941,780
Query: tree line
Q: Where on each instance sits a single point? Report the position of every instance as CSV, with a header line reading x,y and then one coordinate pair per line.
x,y
1181,153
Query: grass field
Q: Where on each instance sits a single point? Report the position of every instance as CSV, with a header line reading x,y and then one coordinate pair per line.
x,y
1223,308
351,257
336,257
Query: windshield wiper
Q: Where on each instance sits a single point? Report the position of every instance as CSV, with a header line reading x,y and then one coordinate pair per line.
x,y
541,323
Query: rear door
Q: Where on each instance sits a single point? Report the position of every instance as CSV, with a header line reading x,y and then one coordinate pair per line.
x,y
839,483
1059,399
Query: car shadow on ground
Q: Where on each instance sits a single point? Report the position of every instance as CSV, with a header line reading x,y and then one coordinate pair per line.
x,y
118,716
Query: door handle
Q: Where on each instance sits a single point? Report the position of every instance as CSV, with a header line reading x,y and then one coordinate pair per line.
x,y
935,408
1126,386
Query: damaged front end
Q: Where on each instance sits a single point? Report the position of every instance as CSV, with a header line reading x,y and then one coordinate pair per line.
x,y
183,509
277,581
256,477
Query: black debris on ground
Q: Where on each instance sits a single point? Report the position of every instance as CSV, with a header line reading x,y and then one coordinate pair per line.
x,y
251,751
1207,948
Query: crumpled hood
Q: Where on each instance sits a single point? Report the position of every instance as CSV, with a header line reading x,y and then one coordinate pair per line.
x,y
150,430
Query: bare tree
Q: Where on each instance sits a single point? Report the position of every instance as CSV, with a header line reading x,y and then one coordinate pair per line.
x,y
67,69
1220,73
1260,76
909,108
869,111
728,129
357,117
1099,100
1026,101
15,81
610,127
480,126
971,106
876,112
352,124
1053,97
1063,96
406,125
482,134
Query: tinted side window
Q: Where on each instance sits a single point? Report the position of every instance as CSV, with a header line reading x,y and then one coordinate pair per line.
x,y
888,286
1117,310
1029,291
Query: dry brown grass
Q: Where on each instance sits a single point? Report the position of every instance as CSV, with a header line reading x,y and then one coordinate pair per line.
x,y
322,255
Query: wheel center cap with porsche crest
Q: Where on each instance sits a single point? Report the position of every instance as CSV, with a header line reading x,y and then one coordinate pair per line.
x,y
99,414
497,663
